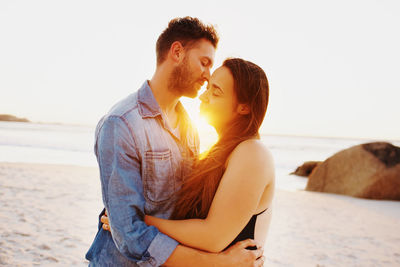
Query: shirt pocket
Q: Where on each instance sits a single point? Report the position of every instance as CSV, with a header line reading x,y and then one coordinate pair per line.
x,y
159,177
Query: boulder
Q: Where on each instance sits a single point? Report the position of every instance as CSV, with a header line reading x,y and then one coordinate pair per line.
x,y
306,169
368,171
7,117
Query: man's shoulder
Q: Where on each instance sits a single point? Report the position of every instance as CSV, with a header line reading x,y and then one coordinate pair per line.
x,y
126,107
125,110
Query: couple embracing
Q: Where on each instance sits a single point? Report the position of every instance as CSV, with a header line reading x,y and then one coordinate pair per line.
x,y
164,203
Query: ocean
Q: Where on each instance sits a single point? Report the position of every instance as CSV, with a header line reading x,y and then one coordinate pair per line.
x,y
73,145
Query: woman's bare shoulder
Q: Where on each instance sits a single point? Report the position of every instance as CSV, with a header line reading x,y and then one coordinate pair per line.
x,y
253,148
252,154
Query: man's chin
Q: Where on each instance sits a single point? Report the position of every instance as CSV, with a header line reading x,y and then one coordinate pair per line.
x,y
191,94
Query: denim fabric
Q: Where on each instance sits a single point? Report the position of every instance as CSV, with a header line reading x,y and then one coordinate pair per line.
x,y
142,164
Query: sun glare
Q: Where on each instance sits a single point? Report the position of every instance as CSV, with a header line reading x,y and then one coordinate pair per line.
x,y
208,135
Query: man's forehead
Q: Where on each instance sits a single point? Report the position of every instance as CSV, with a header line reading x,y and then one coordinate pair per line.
x,y
205,47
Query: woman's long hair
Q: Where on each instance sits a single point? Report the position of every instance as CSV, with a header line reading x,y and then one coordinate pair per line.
x,y
198,190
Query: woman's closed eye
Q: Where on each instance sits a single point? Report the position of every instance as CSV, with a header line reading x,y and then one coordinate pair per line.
x,y
216,91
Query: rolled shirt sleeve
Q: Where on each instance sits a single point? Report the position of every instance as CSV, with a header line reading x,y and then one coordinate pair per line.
x,y
119,162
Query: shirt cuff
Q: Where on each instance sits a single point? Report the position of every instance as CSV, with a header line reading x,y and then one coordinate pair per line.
x,y
161,248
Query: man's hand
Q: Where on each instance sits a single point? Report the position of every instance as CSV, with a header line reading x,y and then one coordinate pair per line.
x,y
238,255
106,223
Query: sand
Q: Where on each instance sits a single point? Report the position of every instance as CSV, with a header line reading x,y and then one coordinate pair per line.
x,y
48,217
47,214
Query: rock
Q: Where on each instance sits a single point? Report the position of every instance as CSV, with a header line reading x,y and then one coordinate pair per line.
x,y
7,117
368,171
306,168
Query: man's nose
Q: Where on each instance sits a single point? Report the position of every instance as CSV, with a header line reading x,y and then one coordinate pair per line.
x,y
206,74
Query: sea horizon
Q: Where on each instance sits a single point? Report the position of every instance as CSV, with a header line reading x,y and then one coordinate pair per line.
x,y
263,133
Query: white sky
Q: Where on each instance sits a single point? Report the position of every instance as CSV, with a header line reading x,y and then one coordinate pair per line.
x,y
333,66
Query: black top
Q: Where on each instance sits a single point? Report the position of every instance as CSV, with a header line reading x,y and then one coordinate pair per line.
x,y
248,231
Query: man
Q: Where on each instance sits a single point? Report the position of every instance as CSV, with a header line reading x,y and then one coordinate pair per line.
x,y
145,146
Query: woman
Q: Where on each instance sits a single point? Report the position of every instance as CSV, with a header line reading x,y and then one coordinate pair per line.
x,y
228,196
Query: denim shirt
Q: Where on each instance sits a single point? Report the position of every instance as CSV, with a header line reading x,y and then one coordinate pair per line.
x,y
142,163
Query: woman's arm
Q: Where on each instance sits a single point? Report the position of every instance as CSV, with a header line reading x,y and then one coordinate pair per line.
x,y
250,170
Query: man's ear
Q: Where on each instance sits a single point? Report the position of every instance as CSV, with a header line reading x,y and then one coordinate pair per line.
x,y
243,109
177,51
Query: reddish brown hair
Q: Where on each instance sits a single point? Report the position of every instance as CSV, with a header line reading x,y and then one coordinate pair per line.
x,y
185,30
198,190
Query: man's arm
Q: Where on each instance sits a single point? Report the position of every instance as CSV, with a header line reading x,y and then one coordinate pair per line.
x,y
122,189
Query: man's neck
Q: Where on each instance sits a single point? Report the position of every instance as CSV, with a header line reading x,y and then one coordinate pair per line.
x,y
166,99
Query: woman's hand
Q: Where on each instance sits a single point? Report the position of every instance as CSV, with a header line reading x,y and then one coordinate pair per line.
x,y
106,223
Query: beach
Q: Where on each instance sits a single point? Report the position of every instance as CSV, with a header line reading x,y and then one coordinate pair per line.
x,y
49,209
48,215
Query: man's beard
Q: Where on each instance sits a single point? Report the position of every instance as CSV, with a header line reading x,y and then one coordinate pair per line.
x,y
182,81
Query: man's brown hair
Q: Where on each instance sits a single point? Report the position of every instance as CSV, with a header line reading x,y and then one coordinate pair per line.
x,y
186,30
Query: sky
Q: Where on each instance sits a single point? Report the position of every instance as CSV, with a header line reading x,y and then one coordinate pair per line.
x,y
333,66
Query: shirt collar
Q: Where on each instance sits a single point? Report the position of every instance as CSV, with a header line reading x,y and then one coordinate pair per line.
x,y
147,104
149,108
